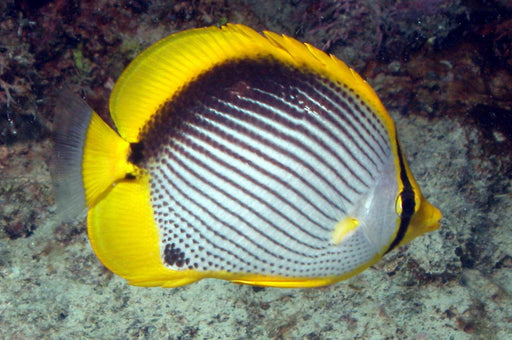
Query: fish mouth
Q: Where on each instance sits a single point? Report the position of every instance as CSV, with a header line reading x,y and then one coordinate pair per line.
x,y
426,219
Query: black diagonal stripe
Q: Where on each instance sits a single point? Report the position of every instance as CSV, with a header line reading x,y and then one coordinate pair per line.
x,y
231,139
238,112
223,149
233,245
339,109
344,104
234,229
292,112
367,113
345,97
235,111
256,107
240,188
251,136
185,153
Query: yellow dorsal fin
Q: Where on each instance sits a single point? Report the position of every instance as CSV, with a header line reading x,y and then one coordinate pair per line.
x,y
167,66
159,72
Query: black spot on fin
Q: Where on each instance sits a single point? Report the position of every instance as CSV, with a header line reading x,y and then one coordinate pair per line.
x,y
137,153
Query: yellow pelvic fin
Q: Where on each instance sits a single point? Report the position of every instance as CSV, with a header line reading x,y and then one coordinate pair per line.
x,y
105,159
343,228
163,69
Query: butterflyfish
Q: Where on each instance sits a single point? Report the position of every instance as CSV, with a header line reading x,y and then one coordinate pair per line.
x,y
241,156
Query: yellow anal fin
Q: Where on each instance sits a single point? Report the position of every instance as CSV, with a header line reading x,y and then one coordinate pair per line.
x,y
126,238
343,228
123,232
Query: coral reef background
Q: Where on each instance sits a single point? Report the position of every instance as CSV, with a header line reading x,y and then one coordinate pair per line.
x,y
443,68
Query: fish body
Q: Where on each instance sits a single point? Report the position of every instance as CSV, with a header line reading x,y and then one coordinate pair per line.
x,y
251,158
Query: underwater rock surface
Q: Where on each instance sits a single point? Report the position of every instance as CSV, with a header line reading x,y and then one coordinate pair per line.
x,y
441,68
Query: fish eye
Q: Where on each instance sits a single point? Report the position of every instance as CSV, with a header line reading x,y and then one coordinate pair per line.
x,y
405,204
398,205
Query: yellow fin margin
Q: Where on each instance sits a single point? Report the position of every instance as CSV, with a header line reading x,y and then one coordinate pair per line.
x,y
300,282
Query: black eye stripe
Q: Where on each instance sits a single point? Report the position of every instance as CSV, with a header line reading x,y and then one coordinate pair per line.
x,y
407,196
408,202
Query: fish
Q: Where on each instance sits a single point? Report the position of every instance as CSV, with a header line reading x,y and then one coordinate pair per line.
x,y
237,155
